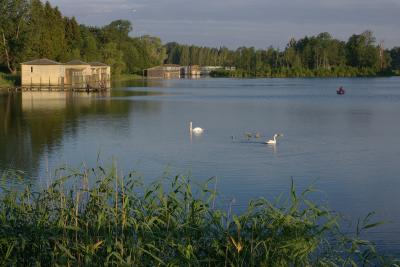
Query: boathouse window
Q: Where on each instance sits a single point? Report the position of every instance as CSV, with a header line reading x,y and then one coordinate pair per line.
x,y
31,69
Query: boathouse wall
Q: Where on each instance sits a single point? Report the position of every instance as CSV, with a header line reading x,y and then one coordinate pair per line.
x,y
45,75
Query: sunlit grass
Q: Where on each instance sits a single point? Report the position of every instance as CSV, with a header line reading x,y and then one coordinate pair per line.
x,y
95,217
126,77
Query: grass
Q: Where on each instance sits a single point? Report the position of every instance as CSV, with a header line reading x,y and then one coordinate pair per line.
x,y
93,216
126,77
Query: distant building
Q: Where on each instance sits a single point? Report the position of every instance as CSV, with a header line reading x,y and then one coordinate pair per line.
x,y
168,71
230,68
191,71
73,74
172,71
205,70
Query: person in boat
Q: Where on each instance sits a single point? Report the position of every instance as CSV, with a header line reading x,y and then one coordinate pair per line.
x,y
340,91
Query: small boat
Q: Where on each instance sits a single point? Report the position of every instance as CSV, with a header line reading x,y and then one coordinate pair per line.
x,y
340,91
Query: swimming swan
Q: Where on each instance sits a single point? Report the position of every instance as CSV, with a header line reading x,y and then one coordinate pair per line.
x,y
274,140
196,130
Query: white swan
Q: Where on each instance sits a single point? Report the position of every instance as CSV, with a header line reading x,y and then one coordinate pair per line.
x,y
274,140
196,130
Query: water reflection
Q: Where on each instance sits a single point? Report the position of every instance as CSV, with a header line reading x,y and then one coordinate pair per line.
x,y
33,124
273,148
137,83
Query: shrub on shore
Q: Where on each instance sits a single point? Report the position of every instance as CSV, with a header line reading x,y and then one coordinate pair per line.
x,y
282,72
8,80
94,217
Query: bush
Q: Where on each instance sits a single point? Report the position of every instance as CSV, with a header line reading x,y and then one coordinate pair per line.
x,y
8,80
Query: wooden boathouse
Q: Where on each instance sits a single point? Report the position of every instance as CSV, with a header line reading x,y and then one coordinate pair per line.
x,y
191,71
167,71
75,75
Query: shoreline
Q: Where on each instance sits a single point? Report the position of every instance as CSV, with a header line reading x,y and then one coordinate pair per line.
x,y
305,73
7,86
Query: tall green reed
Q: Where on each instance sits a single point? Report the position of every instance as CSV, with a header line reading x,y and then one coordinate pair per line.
x,y
93,216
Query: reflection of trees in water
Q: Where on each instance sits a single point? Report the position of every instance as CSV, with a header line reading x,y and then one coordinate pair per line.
x,y
15,147
34,123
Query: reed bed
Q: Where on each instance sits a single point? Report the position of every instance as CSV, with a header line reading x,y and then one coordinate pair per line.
x,y
98,217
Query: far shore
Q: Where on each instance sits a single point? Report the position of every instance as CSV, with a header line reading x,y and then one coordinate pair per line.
x,y
9,81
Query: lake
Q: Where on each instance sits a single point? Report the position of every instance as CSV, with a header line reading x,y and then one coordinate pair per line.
x,y
346,146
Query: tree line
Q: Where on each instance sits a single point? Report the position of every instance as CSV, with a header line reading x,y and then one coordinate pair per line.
x,y
30,29
320,55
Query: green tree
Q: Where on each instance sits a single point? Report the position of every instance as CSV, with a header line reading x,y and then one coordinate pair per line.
x,y
133,58
184,58
13,32
46,32
291,57
113,57
154,49
90,46
395,58
72,39
361,50
118,31
173,55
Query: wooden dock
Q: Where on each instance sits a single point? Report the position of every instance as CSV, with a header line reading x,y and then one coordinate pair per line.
x,y
87,89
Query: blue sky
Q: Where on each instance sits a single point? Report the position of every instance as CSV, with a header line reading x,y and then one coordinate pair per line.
x,y
235,23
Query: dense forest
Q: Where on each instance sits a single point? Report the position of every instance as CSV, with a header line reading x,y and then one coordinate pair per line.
x,y
30,29
320,55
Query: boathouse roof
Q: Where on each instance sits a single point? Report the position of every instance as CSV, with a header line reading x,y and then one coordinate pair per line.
x,y
43,61
76,62
98,64
165,66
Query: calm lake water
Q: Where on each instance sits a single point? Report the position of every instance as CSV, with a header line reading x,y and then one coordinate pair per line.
x,y
346,146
